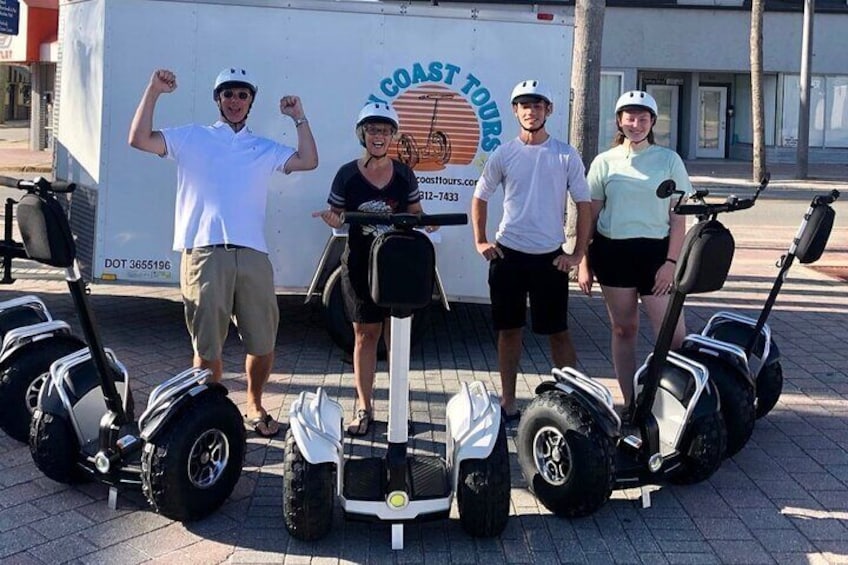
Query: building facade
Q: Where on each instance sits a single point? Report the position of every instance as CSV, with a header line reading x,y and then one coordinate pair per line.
x,y
694,57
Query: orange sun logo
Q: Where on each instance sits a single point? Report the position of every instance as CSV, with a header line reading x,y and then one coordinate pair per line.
x,y
437,127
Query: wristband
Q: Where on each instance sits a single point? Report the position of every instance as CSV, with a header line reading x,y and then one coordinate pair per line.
x,y
670,260
300,121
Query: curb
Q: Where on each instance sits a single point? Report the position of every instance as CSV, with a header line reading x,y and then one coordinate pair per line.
x,y
27,168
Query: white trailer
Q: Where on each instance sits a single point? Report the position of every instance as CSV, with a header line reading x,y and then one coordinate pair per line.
x,y
447,70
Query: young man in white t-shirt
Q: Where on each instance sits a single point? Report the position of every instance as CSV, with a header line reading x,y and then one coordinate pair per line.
x,y
537,173
223,171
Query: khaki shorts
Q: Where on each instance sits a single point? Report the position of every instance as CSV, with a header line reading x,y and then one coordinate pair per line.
x,y
221,284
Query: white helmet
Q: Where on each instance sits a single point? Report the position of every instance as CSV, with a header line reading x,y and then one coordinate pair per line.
x,y
378,112
234,77
637,99
375,112
532,88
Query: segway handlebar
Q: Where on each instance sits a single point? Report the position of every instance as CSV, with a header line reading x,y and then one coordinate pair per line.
x,y
703,209
824,199
404,220
39,184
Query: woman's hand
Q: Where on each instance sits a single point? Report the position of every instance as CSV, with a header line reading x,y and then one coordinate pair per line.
x,y
330,217
663,279
585,278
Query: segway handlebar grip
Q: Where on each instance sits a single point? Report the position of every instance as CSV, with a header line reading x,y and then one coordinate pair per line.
x,y
39,183
824,199
11,182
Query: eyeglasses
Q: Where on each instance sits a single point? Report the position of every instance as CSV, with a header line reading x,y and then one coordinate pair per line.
x,y
379,130
241,95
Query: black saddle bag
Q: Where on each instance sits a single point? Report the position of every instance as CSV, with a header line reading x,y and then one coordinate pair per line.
x,y
45,230
401,270
705,262
814,238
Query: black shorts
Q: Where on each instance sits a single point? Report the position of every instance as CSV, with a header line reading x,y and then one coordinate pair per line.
x,y
357,297
627,263
517,275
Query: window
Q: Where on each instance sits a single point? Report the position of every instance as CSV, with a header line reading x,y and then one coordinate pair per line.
x,y
611,84
828,111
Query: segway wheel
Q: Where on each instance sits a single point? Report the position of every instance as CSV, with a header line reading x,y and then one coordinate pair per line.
x,y
705,441
483,491
190,468
21,381
308,494
737,408
55,448
769,388
567,460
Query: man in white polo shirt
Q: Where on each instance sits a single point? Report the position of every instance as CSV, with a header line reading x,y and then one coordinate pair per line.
x,y
223,171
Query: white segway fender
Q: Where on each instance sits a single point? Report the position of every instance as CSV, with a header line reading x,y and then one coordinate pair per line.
x,y
592,394
473,423
676,400
729,352
741,328
316,424
166,400
17,338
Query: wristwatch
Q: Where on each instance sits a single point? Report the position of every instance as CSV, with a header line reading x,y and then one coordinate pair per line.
x,y
299,121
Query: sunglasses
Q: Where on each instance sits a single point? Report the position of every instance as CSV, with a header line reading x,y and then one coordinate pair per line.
x,y
241,95
378,130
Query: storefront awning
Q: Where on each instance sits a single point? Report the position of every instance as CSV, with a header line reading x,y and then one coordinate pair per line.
x,y
38,25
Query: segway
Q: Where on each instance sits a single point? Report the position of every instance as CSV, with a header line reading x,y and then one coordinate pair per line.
x,y
754,335
31,340
185,451
729,370
573,447
399,487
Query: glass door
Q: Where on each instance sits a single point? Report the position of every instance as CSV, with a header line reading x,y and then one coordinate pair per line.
x,y
665,130
712,122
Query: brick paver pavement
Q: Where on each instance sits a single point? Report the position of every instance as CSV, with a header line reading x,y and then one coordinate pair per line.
x,y
782,499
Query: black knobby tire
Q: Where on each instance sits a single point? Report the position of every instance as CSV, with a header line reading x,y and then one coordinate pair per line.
x,y
576,477
737,407
55,448
309,493
483,491
769,387
191,467
340,327
21,380
703,448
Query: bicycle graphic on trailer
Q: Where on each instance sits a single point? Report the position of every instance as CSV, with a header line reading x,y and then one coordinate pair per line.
x,y
437,147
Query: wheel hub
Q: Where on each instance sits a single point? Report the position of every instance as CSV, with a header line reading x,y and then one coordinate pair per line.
x,y
208,458
552,455
33,390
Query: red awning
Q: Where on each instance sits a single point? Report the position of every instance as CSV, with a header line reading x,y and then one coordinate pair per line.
x,y
38,24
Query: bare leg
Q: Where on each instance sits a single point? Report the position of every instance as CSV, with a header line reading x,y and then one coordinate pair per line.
x,y
509,353
623,308
215,365
655,307
562,349
258,369
365,362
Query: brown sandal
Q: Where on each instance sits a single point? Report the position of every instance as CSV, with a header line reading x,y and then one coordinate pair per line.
x,y
360,424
